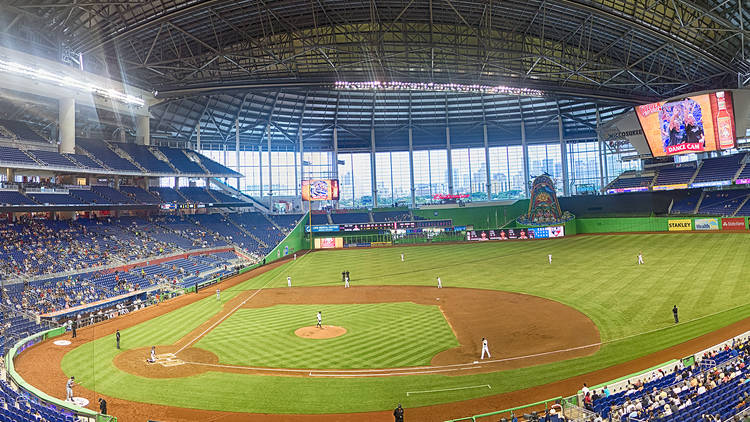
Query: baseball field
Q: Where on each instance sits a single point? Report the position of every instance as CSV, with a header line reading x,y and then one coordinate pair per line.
x,y
402,340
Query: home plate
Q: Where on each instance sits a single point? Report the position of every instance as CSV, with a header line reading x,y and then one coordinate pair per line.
x,y
80,401
61,343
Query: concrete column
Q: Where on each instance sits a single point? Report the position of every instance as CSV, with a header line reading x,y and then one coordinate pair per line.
x,y
270,170
373,173
67,115
143,130
450,160
411,169
488,176
525,153
564,156
198,136
176,182
10,174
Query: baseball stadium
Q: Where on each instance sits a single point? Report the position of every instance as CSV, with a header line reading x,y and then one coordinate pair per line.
x,y
415,210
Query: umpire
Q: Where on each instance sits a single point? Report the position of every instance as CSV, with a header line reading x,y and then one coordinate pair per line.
x,y
398,413
674,311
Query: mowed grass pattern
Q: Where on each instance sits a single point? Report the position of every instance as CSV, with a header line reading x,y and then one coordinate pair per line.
x,y
705,274
383,335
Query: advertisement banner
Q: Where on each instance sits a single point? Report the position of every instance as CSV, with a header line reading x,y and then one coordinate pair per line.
x,y
742,181
329,242
702,122
736,223
714,183
706,224
628,190
671,187
680,225
515,234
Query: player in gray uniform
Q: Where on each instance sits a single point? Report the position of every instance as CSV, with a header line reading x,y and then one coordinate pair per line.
x,y
69,389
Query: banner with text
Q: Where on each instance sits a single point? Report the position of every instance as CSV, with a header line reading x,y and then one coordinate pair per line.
x,y
680,225
737,223
706,224
513,234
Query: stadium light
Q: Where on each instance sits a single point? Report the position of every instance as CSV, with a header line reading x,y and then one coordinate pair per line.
x,y
68,82
436,87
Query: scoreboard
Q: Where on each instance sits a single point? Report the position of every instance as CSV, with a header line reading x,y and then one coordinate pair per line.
x,y
390,225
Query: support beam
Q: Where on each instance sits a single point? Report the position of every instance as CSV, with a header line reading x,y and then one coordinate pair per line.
x,y
600,145
260,168
270,170
373,173
143,130
411,169
564,155
198,136
335,159
525,157
488,173
450,161
301,156
237,147
67,125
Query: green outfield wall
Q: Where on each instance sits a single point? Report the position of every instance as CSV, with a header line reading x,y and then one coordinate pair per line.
x,y
295,241
481,217
655,224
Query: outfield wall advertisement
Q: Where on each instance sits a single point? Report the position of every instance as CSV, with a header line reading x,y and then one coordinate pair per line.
x,y
680,225
706,224
516,234
736,223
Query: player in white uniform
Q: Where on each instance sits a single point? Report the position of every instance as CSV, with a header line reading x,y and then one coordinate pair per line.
x,y
289,281
485,348
549,257
69,389
402,257
218,295
320,320
440,283
346,282
295,257
640,258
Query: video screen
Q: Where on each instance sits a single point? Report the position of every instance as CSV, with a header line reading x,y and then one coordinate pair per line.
x,y
320,190
694,124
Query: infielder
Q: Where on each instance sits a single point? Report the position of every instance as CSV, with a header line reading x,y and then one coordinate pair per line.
x,y
549,257
320,320
346,282
440,283
153,355
218,295
69,389
485,348
289,281
640,258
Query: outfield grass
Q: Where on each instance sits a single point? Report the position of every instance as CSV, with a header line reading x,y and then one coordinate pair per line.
x,y
703,274
265,336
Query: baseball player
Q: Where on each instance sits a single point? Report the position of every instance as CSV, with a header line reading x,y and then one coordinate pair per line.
x,y
320,320
440,283
117,337
289,281
402,257
640,258
549,257
152,359
218,295
69,389
346,282
485,348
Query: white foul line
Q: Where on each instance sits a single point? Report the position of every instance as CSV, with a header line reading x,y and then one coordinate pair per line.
x,y
449,389
222,318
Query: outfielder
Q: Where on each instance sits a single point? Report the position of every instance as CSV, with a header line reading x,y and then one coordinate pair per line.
x,y
440,283
69,389
289,281
549,257
320,320
402,257
640,258
485,348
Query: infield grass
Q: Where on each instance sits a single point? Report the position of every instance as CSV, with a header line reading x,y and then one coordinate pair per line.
x,y
704,274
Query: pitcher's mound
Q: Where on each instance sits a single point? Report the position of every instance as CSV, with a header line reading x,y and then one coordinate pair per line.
x,y
328,331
